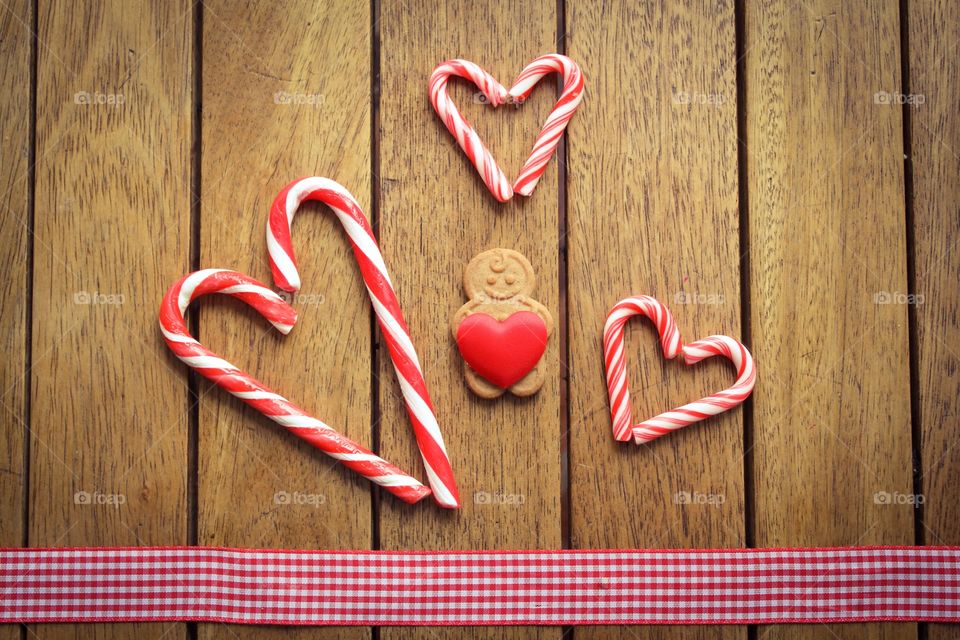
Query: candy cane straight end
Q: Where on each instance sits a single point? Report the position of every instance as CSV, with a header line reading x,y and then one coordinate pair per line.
x,y
415,495
453,505
445,493
644,438
290,286
527,189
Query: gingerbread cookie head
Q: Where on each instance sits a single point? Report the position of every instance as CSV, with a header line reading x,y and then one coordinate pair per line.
x,y
499,274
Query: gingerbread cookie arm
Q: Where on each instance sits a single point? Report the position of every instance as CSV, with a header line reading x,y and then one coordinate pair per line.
x,y
461,313
541,311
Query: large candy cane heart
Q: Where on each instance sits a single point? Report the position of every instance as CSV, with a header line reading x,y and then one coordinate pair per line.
x,y
252,391
618,389
385,305
496,94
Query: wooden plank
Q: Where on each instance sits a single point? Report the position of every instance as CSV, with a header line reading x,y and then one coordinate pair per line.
x,y
109,409
15,145
832,432
653,210
275,109
437,215
934,72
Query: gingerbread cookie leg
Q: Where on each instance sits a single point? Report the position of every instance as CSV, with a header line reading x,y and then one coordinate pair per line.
x,y
529,385
480,386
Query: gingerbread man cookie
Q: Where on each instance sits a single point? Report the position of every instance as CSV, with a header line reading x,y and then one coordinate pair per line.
x,y
501,332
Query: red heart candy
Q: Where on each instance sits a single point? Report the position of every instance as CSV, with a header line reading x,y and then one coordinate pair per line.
x,y
502,352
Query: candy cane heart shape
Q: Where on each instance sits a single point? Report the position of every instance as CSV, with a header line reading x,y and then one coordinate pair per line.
x,y
406,364
672,346
252,391
549,137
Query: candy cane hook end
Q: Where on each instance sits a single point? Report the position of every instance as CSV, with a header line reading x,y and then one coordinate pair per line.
x,y
282,263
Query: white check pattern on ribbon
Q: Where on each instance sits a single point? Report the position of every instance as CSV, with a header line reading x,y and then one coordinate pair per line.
x,y
735,586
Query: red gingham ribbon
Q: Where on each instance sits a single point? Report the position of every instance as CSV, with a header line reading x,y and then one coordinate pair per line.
x,y
681,586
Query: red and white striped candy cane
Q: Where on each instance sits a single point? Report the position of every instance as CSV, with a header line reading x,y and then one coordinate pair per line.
x,y
252,391
672,346
457,125
615,360
549,137
405,361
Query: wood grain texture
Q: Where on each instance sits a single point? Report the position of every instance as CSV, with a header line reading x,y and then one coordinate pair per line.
x,y
108,440
275,109
653,210
934,72
436,216
832,430
15,140
651,207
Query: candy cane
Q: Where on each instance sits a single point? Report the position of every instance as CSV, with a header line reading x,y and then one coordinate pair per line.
x,y
672,346
549,136
457,125
615,361
405,361
252,391
570,97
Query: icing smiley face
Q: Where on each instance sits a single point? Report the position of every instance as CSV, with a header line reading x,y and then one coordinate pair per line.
x,y
499,274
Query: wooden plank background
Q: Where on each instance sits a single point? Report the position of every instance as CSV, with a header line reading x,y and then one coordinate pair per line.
x,y
650,213
785,172
272,112
933,138
827,243
16,150
108,412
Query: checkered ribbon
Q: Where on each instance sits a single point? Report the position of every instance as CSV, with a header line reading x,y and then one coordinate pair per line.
x,y
735,586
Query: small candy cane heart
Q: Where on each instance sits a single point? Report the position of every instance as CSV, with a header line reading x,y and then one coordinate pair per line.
x,y
549,136
616,371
